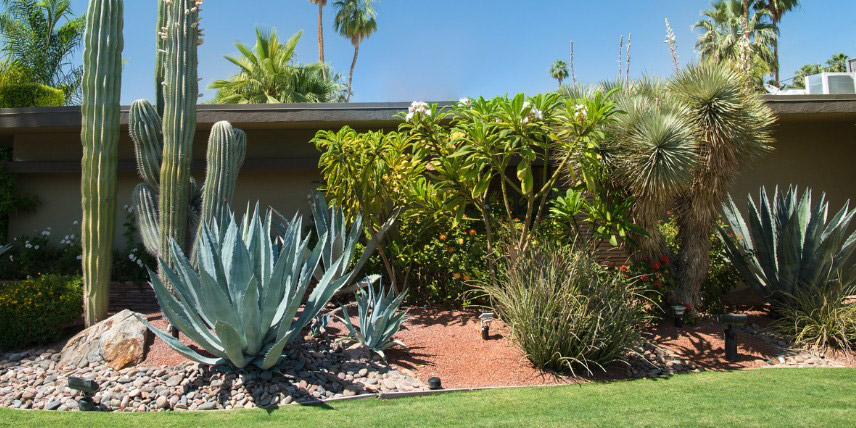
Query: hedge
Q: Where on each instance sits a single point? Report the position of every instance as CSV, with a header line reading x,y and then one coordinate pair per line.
x,y
30,95
39,311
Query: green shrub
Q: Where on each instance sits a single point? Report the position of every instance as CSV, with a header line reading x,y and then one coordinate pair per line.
x,y
38,310
565,310
819,316
30,95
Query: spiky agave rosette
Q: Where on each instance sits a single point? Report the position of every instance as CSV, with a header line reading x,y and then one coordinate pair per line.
x,y
240,305
378,319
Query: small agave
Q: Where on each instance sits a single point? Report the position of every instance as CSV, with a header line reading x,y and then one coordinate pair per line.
x,y
378,318
241,304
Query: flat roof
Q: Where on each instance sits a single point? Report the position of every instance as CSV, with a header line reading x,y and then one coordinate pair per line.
x,y
332,115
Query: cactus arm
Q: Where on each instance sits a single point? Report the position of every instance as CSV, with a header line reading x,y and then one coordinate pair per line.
x,y
179,121
102,81
145,206
160,43
145,126
227,148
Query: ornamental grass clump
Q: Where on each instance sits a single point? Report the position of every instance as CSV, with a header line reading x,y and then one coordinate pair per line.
x,y
820,316
564,310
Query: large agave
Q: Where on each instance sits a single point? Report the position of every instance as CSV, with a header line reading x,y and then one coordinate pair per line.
x,y
789,244
241,305
378,318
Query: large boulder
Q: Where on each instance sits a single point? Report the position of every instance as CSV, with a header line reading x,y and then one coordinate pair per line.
x,y
118,341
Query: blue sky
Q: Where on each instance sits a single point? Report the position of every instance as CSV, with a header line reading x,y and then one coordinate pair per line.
x,y
447,49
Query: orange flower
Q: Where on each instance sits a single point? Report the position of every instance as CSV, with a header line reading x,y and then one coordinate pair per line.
x,y
467,278
456,275
472,232
460,241
442,237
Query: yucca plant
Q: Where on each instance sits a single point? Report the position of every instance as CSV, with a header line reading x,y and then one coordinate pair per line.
x,y
788,243
378,318
241,305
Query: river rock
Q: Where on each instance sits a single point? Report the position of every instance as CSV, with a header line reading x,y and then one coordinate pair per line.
x,y
117,342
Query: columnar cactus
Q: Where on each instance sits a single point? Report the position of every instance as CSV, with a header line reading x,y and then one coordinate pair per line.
x,y
102,81
168,203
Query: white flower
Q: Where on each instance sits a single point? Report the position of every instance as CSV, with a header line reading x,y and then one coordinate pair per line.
x,y
131,257
408,117
420,107
36,247
466,102
28,245
12,258
80,257
526,104
580,113
75,223
139,263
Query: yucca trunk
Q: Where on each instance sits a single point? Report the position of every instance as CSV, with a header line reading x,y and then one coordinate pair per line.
x,y
102,81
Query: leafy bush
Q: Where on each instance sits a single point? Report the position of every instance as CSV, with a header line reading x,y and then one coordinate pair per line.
x,y
565,310
819,316
655,281
30,95
789,243
379,321
38,310
722,276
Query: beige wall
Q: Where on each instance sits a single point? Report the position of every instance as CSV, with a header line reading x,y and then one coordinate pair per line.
x,y
59,194
810,151
820,154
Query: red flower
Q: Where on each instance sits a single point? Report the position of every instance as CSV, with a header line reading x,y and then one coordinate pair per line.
x,y
644,278
689,308
665,259
655,266
623,268
658,284
669,212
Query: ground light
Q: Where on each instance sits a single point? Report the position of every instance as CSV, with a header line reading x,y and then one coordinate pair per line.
x,y
730,320
434,383
486,318
679,315
88,387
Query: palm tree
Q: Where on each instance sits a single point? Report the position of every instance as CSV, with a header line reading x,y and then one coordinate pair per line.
x,y
732,128
559,71
355,20
776,9
837,64
725,34
267,74
321,4
41,36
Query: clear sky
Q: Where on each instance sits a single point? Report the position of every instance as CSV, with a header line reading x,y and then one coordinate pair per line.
x,y
447,49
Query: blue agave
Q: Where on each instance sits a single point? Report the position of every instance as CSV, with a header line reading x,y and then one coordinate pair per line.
x,y
240,304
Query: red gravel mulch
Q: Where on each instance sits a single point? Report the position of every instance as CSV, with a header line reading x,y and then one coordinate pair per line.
x,y
448,344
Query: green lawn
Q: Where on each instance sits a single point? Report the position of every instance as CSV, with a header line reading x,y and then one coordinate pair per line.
x,y
772,397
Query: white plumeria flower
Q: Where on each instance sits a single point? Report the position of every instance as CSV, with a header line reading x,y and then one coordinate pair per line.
x,y
408,117
580,113
466,102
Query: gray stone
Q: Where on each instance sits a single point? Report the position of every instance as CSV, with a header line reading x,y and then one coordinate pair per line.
x,y
53,405
118,341
209,405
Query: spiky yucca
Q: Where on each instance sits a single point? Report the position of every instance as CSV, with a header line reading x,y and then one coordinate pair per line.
x,y
732,128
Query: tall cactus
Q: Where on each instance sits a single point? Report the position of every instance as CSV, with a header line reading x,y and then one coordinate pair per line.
x,y
168,203
160,55
102,81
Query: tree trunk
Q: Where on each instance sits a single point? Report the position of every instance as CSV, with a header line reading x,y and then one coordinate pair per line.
x,y
321,40
560,82
351,75
694,227
776,51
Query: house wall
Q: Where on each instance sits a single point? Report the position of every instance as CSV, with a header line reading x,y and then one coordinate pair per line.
x,y
813,150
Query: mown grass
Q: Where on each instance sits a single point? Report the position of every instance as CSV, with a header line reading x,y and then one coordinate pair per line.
x,y
769,397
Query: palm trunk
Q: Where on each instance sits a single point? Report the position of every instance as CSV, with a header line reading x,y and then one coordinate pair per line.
x,y
560,82
321,40
351,75
776,50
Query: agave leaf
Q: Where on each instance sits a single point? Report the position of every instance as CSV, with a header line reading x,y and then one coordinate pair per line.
x,y
232,342
252,329
180,347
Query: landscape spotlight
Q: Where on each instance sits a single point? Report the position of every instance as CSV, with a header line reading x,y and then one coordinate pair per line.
x,y
486,318
679,315
88,387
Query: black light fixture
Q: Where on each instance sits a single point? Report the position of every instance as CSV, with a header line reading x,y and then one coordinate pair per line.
x,y
486,318
679,311
730,320
434,383
88,387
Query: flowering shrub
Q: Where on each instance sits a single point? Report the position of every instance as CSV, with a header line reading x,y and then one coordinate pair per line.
x,y
655,281
38,310
33,256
